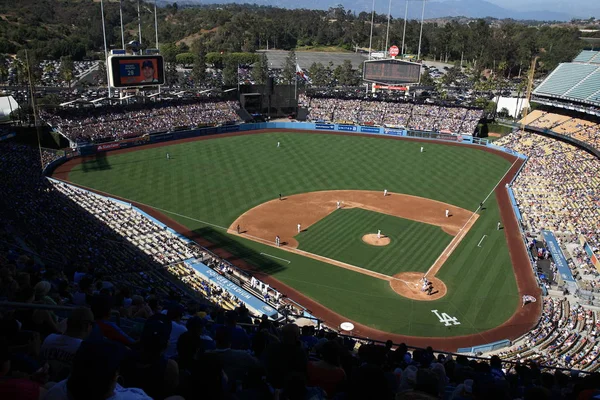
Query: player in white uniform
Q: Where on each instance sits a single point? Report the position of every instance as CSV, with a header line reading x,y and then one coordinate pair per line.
x,y
447,213
421,149
384,192
299,228
379,234
338,204
168,156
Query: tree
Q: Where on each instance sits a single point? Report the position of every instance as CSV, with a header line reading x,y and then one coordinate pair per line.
x,y
345,74
66,69
289,68
230,72
199,69
101,76
427,79
260,70
185,58
319,75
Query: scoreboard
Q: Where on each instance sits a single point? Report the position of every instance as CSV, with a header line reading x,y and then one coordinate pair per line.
x,y
135,71
391,71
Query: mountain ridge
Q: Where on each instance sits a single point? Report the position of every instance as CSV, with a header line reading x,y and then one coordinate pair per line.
x,y
433,9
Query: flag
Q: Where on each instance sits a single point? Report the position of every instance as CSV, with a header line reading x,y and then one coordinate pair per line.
x,y
302,74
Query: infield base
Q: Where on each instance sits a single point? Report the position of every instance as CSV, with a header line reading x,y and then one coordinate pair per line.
x,y
409,284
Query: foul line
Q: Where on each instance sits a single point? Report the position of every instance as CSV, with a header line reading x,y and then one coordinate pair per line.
x,y
458,238
282,259
479,244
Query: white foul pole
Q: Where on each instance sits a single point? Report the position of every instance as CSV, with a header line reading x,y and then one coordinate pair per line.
x,y
404,32
421,34
387,34
105,51
371,36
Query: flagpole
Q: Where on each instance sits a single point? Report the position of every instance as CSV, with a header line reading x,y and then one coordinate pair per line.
x,y
105,52
421,34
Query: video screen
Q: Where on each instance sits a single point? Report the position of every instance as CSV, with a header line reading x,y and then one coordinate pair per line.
x,y
128,71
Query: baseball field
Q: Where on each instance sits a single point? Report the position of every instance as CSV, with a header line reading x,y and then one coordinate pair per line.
x,y
333,186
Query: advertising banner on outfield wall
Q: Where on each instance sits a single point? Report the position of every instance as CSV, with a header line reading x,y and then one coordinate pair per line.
x,y
393,132
346,128
326,127
370,129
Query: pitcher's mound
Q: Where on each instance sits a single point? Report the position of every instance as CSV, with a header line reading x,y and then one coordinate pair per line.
x,y
409,284
371,238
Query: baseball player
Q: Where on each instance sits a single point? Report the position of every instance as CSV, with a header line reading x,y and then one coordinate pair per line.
x,y
168,156
421,149
447,213
299,228
498,226
338,205
277,144
277,241
384,192
279,196
238,229
378,234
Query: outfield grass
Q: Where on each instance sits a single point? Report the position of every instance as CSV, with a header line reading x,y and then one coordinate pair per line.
x,y
339,237
207,184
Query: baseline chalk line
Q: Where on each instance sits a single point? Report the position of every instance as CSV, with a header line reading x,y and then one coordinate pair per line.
x,y
282,259
479,244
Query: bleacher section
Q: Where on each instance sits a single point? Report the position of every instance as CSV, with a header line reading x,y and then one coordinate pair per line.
x,y
577,81
565,77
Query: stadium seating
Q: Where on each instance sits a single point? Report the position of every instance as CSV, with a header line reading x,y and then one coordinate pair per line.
x,y
393,114
564,78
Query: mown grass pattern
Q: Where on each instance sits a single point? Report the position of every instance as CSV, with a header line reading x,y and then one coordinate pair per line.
x,y
414,246
217,180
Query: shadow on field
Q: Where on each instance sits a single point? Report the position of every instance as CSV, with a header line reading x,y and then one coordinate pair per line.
x,y
97,162
238,251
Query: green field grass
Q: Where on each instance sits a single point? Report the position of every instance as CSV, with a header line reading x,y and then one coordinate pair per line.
x,y
207,184
339,237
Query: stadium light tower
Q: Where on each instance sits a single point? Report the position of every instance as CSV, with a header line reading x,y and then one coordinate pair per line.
x,y
105,52
421,34
404,32
371,36
387,34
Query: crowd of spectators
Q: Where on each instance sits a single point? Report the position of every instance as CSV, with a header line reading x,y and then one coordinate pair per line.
x,y
566,337
396,114
114,123
559,190
146,327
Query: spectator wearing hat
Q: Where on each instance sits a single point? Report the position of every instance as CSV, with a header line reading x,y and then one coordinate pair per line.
x,y
196,326
148,367
59,350
94,376
45,321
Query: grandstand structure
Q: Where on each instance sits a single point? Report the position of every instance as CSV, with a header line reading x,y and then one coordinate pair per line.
x,y
574,85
